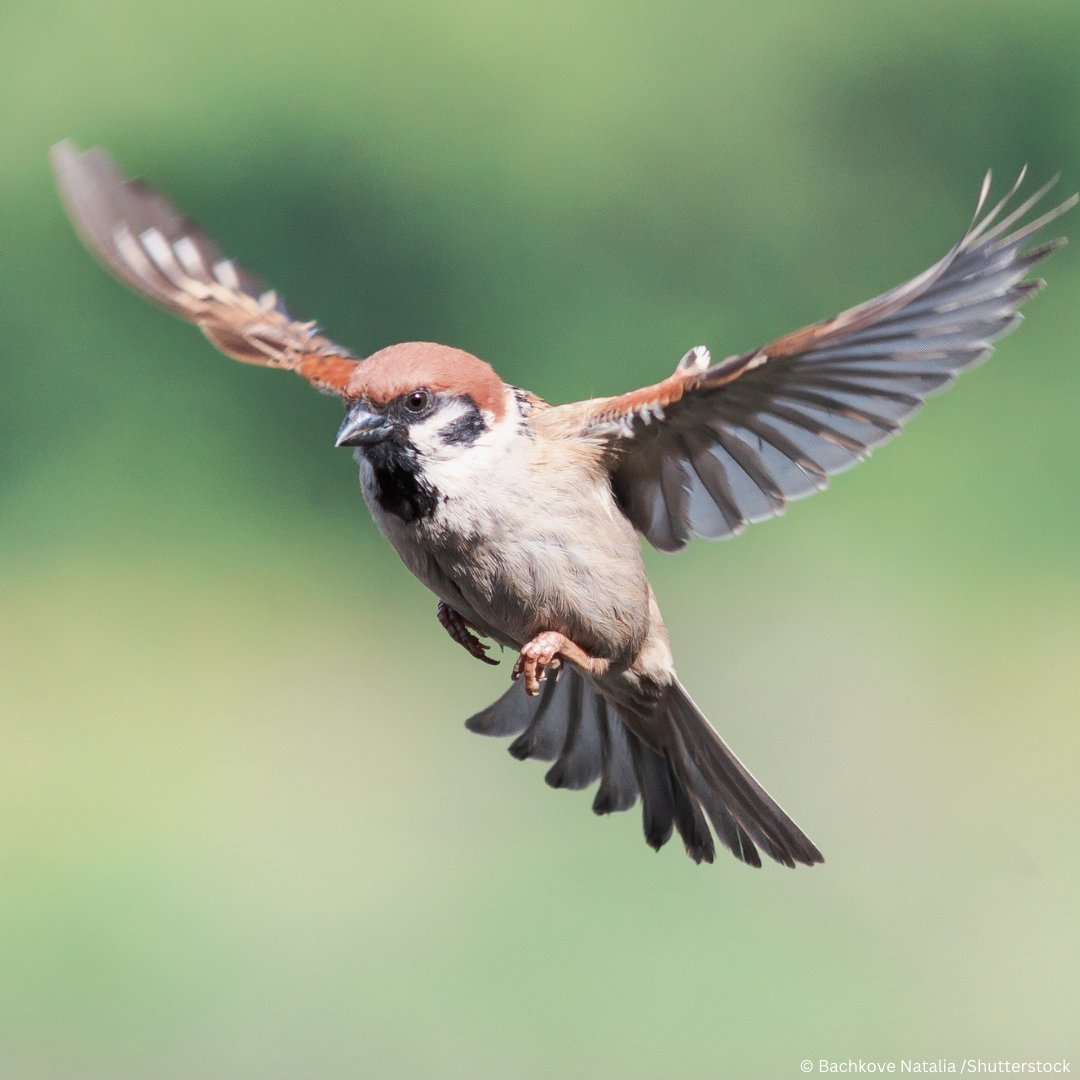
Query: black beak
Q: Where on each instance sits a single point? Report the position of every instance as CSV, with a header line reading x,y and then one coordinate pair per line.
x,y
361,427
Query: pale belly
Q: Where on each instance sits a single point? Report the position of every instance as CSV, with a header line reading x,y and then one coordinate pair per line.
x,y
514,576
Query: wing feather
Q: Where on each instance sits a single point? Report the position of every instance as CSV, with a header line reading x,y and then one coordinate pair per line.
x,y
711,448
143,240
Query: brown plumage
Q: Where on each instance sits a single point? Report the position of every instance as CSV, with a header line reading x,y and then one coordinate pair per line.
x,y
397,369
523,518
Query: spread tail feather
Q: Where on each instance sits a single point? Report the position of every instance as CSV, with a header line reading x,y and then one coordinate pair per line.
x,y
686,781
740,809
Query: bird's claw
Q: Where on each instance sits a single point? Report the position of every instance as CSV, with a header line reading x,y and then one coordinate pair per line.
x,y
538,657
462,632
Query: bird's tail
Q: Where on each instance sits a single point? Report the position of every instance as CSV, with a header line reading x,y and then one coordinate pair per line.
x,y
715,782
685,774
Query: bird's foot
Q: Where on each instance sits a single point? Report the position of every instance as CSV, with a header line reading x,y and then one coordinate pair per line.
x,y
546,652
462,632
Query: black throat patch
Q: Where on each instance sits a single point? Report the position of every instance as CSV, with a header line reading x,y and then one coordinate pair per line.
x,y
400,488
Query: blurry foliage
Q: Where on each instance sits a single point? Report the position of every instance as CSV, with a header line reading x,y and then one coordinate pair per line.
x,y
244,832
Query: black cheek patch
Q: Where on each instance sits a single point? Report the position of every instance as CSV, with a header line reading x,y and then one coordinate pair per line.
x,y
466,429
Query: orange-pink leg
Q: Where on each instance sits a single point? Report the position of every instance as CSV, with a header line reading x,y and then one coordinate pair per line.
x,y
546,652
462,632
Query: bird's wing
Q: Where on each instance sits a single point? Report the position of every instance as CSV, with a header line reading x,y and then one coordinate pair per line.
x,y
139,236
713,447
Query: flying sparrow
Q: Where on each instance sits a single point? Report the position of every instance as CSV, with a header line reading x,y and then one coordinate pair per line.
x,y
523,518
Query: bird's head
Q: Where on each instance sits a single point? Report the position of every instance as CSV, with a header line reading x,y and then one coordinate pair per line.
x,y
429,423
429,397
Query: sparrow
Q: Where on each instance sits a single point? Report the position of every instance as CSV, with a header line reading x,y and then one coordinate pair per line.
x,y
524,518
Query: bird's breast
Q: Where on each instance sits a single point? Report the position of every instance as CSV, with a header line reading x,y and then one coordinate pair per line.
x,y
528,547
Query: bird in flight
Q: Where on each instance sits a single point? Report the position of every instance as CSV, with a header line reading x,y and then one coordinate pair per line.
x,y
524,518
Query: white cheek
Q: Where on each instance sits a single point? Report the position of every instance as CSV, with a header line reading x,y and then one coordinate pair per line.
x,y
426,438
488,464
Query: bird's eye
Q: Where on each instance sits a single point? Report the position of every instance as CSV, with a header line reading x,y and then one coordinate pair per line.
x,y
417,401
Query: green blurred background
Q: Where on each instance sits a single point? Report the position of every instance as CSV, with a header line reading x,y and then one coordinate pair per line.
x,y
242,830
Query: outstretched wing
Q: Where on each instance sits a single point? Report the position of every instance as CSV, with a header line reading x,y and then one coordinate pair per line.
x,y
714,447
139,236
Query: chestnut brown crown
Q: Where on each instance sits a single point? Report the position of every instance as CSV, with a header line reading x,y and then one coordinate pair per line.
x,y
412,365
